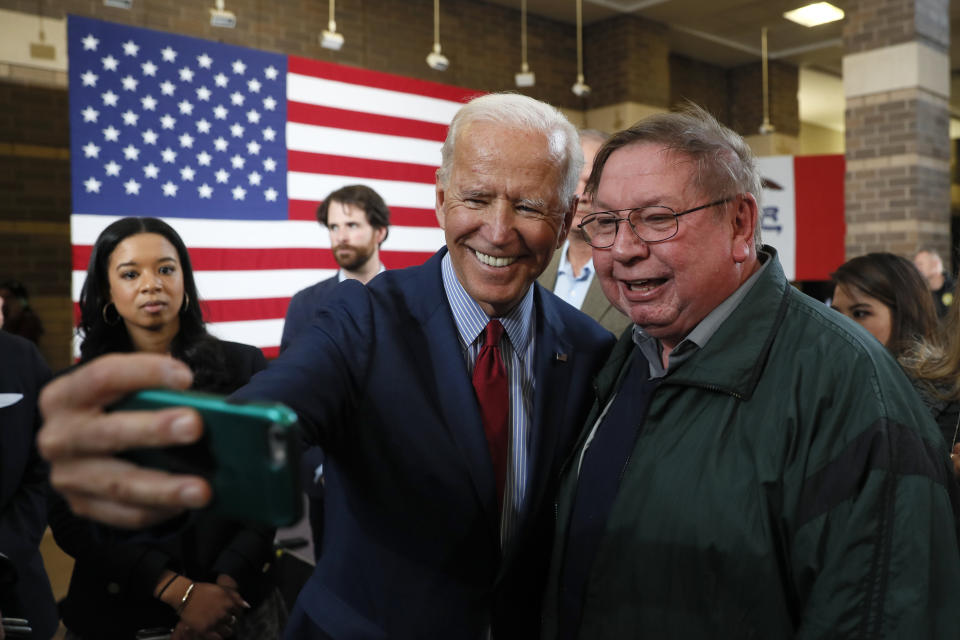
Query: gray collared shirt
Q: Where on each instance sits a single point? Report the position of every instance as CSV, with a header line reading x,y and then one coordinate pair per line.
x,y
652,348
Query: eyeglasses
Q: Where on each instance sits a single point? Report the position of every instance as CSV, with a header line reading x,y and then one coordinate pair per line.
x,y
650,224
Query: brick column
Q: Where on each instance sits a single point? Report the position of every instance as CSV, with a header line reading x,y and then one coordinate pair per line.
x,y
896,77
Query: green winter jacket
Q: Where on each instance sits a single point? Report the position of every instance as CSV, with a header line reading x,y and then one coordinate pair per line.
x,y
787,483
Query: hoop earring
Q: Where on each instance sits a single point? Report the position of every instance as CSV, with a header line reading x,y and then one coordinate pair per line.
x,y
186,303
104,314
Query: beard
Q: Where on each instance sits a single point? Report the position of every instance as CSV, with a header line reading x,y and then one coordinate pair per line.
x,y
350,257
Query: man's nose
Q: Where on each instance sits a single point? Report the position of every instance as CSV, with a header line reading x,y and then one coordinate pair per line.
x,y
626,245
499,220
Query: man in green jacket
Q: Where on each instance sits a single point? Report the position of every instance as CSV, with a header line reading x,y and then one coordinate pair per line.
x,y
756,465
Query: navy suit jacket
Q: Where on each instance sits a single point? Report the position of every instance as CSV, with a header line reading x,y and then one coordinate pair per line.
x,y
302,307
23,484
411,547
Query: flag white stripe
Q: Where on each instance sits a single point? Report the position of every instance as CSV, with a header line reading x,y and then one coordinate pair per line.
x,y
352,97
362,144
240,285
259,333
259,234
316,186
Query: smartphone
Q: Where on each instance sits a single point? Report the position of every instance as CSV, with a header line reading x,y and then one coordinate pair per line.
x,y
249,453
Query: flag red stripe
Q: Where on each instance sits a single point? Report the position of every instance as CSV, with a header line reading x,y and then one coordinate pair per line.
x,y
818,185
378,80
270,352
399,216
334,118
206,259
363,168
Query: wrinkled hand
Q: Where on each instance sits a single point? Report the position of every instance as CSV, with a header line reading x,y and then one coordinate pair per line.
x,y
212,611
79,439
955,459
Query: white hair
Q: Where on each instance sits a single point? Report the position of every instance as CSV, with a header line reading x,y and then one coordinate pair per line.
x,y
520,112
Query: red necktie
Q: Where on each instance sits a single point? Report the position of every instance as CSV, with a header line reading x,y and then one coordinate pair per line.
x,y
493,395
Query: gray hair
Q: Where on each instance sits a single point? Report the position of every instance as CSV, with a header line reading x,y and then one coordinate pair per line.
x,y
520,112
723,162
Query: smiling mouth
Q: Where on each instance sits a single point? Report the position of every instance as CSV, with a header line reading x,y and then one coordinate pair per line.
x,y
494,261
645,285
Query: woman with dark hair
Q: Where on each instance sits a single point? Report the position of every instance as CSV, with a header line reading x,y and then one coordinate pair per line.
x,y
202,575
887,296
935,366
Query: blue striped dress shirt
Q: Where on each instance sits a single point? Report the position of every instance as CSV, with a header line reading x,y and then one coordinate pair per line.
x,y
517,350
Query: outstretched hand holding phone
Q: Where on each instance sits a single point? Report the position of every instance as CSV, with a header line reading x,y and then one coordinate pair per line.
x,y
79,438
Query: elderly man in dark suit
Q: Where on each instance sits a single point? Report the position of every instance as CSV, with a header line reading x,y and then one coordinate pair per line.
x,y
446,397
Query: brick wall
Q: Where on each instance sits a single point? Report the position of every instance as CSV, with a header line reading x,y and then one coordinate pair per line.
x,y
626,59
34,216
482,40
745,91
701,82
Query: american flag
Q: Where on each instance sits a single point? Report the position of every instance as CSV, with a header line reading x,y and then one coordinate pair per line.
x,y
235,148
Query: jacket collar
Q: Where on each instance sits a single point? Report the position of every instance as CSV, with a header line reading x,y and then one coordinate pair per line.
x,y
731,362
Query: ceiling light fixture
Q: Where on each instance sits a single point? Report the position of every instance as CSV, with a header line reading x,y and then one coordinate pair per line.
x,y
220,17
330,39
580,88
436,60
815,14
525,78
767,127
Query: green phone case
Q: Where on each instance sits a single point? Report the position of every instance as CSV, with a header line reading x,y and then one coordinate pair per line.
x,y
249,453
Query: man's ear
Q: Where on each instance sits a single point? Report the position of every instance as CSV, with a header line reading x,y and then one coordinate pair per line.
x,y
381,233
441,197
744,222
567,220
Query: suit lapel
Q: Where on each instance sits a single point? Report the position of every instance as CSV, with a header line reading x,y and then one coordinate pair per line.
x,y
595,304
440,354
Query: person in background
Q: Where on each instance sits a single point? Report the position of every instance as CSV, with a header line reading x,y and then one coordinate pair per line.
x,y
358,221
934,366
930,265
23,486
19,318
571,274
887,296
201,576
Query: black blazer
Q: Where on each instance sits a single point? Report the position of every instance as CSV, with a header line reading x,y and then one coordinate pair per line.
x,y
411,545
303,306
23,483
111,589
